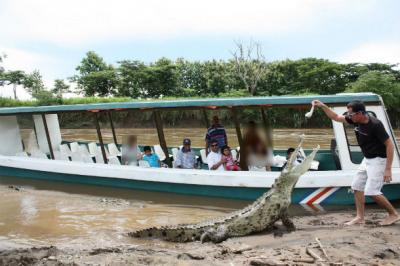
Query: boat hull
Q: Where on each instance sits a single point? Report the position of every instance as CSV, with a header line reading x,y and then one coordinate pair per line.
x,y
308,196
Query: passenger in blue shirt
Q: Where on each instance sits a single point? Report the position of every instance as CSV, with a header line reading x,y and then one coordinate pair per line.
x,y
151,158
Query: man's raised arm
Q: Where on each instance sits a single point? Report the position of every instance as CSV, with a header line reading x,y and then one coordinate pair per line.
x,y
329,112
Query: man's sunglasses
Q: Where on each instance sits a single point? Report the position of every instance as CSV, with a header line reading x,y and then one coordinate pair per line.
x,y
214,145
353,114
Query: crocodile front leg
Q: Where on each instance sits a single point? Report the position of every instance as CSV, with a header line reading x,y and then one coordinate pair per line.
x,y
287,222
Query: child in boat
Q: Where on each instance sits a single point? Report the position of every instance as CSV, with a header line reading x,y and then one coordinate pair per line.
x,y
151,158
230,163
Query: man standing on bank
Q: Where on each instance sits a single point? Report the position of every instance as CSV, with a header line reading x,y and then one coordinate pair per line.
x,y
376,167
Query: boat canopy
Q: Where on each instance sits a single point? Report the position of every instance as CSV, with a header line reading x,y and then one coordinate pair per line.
x,y
208,103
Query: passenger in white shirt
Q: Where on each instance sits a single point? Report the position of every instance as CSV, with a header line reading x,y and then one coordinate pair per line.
x,y
214,158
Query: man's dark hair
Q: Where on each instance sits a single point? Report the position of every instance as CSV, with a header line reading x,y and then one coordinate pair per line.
x,y
146,148
356,106
290,150
213,141
224,148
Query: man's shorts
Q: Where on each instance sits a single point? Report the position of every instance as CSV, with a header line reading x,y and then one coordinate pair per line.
x,y
369,177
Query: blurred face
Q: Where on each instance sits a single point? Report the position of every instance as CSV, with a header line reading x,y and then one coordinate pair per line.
x,y
214,147
186,146
227,152
147,152
215,120
356,117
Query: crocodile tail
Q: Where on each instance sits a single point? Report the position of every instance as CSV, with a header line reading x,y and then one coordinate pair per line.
x,y
177,234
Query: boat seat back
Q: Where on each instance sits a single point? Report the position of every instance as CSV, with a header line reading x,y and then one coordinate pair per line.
x,y
22,154
143,163
38,154
114,161
99,158
234,154
113,149
74,146
59,155
159,151
93,148
64,148
79,157
83,150
174,153
203,156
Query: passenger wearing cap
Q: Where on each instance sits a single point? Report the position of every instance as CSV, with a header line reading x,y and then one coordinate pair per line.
x,y
186,158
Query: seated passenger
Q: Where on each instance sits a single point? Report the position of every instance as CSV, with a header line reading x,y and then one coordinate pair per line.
x,y
289,153
231,163
214,158
130,153
151,158
186,158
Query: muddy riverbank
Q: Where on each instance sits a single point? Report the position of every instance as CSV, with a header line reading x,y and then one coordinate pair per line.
x,y
44,226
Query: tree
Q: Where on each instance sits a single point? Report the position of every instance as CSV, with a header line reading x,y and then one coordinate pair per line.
x,y
380,83
132,76
60,87
161,79
14,78
250,65
1,69
95,77
34,83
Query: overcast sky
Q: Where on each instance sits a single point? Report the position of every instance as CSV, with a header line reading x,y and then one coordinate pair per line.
x,y
54,35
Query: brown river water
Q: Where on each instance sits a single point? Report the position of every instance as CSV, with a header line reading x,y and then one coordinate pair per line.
x,y
51,213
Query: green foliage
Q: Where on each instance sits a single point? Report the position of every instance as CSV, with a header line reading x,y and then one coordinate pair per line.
x,y
33,83
60,87
380,83
95,77
14,78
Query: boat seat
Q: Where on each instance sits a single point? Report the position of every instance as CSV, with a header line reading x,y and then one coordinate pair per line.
x,y
159,151
79,157
38,154
64,148
174,153
74,146
22,154
114,161
335,154
113,149
84,150
203,156
61,156
234,154
143,163
99,157
93,148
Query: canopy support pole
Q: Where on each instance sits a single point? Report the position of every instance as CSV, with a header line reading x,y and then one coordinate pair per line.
x,y
161,137
99,136
243,159
46,129
267,127
112,127
205,117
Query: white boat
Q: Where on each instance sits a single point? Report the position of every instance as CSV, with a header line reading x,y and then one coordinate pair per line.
x,y
328,184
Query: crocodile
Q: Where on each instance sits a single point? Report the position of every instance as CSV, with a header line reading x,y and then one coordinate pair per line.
x,y
261,215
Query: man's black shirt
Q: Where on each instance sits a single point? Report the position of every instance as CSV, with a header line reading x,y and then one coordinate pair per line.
x,y
371,137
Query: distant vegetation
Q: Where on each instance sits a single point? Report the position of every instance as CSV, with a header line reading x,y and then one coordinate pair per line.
x,y
129,80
